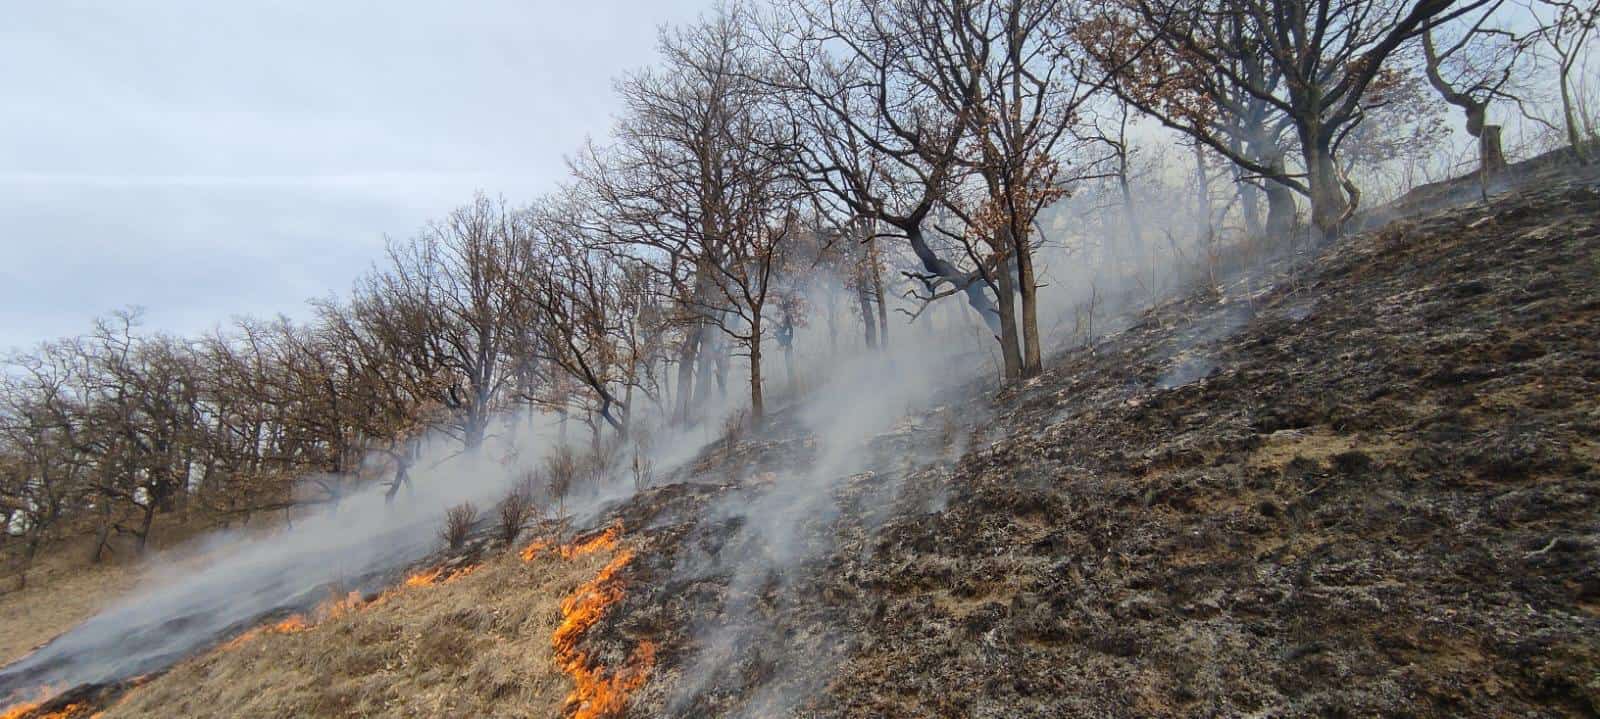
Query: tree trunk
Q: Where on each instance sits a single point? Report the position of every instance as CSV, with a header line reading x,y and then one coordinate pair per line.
x,y
1280,210
1491,159
1131,216
1250,208
703,368
868,321
402,469
1573,136
29,551
721,359
103,532
627,403
476,419
757,406
1202,188
1491,156
1027,289
1249,195
685,389
1280,198
788,365
1006,301
145,522
1328,204
877,292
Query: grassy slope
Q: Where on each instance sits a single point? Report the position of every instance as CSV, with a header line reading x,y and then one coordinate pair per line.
x,y
63,589
476,646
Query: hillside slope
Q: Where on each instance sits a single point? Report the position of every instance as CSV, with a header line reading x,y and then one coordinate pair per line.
x,y
1361,482
1366,489
1380,500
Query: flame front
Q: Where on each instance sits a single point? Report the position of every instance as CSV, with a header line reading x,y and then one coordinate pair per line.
x,y
339,606
596,693
530,552
22,708
66,712
604,540
41,696
430,577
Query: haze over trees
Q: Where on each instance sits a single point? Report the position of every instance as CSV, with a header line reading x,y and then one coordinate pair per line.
x,y
794,175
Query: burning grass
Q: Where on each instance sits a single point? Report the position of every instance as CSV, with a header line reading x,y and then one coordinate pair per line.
x,y
483,646
597,692
34,708
338,606
19,707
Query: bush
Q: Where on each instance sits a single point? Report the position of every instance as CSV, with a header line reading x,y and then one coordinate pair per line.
x,y
561,472
458,521
515,510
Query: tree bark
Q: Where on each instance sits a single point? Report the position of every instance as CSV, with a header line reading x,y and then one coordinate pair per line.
x,y
1027,290
145,523
1131,216
1006,300
757,405
704,362
685,389
1250,207
877,292
1573,137
1491,156
103,532
868,321
1202,188
1328,204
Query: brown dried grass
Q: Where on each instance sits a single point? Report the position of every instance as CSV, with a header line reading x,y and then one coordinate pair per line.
x,y
476,646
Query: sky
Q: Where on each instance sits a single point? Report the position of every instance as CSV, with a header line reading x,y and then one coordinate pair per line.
x,y
204,160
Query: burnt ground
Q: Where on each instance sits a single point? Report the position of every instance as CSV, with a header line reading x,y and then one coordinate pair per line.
x,y
1360,484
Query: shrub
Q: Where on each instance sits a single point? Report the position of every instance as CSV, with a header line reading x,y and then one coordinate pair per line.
x,y
458,521
515,510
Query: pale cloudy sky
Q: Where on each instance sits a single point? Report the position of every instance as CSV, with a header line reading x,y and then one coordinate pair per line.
x,y
205,159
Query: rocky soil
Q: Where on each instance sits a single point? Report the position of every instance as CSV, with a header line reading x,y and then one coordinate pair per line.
x,y
1357,481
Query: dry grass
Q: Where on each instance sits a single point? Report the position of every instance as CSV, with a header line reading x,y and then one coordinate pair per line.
x,y
476,646
63,589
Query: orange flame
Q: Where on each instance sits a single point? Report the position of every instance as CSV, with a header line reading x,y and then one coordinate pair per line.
x,y
132,685
531,551
17,711
40,696
596,694
295,623
604,540
65,712
424,578
438,575
337,606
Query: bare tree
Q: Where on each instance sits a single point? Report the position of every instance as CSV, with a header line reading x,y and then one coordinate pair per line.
x,y
1470,68
464,273
1562,29
1310,61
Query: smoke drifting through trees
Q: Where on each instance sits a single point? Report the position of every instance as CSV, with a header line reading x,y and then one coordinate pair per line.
x,y
788,169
